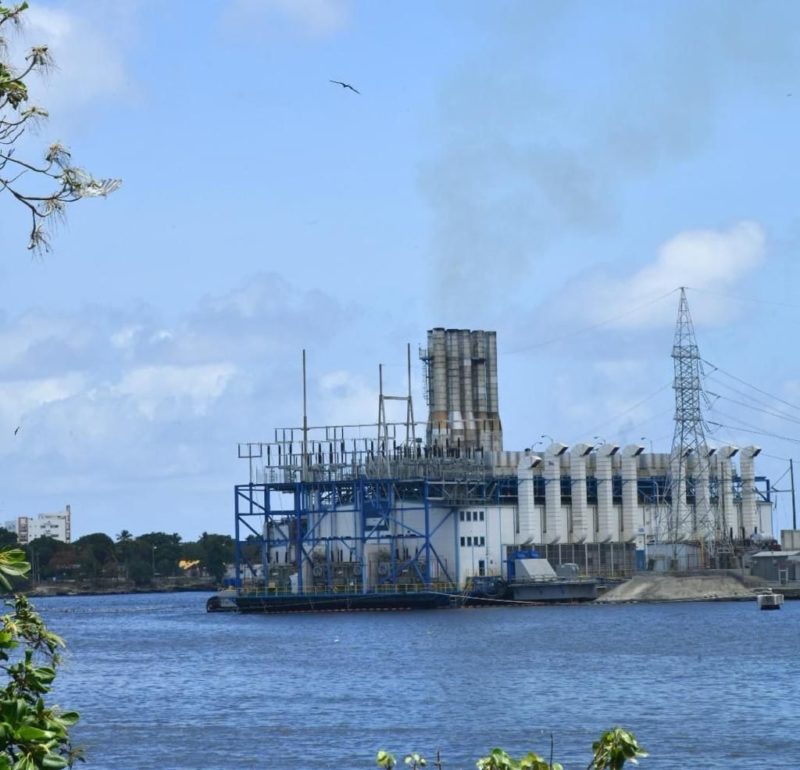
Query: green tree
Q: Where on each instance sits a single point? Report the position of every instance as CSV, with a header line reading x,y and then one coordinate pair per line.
x,y
140,572
96,555
125,548
44,553
218,552
192,551
33,735
44,188
8,539
162,550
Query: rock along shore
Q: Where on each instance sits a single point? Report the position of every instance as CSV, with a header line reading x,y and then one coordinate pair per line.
x,y
696,587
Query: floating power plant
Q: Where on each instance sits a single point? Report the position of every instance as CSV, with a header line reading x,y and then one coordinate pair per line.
x,y
376,516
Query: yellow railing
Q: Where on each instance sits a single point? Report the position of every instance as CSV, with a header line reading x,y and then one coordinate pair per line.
x,y
257,589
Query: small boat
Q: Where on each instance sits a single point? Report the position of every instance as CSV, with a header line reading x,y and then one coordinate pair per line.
x,y
767,600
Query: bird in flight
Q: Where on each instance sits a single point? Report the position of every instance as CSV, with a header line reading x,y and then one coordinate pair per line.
x,y
345,85
16,430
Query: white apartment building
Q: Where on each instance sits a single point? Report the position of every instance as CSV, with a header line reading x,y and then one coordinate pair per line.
x,y
55,525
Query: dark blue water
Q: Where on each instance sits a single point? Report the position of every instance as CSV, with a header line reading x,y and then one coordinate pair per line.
x,y
161,684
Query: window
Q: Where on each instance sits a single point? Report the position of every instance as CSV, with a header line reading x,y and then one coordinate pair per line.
x,y
463,541
469,541
461,515
481,515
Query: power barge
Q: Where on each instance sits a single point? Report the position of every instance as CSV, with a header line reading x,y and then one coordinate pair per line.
x,y
404,515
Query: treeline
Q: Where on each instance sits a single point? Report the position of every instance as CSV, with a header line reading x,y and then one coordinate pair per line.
x,y
134,559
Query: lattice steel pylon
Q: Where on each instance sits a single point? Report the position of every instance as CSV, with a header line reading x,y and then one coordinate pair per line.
x,y
678,521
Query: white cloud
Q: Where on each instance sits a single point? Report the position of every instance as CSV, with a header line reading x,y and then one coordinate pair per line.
x,y
111,400
126,337
315,18
22,396
702,259
712,260
155,387
29,330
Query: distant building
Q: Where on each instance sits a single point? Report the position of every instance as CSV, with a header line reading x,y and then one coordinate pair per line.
x,y
776,566
55,525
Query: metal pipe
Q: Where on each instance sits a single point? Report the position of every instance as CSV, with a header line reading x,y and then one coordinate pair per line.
x,y
305,421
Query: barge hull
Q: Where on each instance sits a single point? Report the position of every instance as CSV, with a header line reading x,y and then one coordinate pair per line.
x,y
422,600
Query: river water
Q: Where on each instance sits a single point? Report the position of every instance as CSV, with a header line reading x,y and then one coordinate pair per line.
x,y
161,684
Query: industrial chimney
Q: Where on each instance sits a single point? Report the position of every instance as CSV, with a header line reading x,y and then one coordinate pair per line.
x,y
461,379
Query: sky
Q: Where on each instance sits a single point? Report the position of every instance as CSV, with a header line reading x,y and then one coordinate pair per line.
x,y
552,171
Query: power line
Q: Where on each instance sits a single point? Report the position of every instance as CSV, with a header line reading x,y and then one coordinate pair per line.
x,y
743,382
753,300
739,392
780,415
586,329
630,408
752,430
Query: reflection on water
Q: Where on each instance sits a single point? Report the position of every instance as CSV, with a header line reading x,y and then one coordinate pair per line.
x,y
161,684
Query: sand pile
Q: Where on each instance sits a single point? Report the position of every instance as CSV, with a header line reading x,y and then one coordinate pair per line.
x,y
688,588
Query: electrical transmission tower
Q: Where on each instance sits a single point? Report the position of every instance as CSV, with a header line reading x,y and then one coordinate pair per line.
x,y
689,457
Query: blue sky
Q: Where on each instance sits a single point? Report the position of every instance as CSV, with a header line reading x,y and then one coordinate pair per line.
x,y
552,171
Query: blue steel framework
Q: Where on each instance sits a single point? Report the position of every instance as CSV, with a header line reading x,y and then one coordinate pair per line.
x,y
377,505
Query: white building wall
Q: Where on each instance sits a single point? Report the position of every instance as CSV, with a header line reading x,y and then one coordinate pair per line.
x,y
481,537
55,525
764,519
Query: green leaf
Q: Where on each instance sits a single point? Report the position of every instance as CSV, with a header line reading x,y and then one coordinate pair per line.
x,y
25,762
69,718
54,762
29,733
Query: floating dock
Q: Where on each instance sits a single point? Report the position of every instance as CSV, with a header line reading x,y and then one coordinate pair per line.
x,y
767,600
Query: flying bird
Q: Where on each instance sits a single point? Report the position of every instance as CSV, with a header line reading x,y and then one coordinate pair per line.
x,y
345,85
16,430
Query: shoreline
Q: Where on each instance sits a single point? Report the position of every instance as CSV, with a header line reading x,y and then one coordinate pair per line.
x,y
60,589
642,588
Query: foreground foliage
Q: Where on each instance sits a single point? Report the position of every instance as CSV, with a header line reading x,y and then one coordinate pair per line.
x,y
33,736
43,187
611,751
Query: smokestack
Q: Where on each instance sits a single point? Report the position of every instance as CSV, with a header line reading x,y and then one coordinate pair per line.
x,y
437,379
453,347
462,390
467,389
